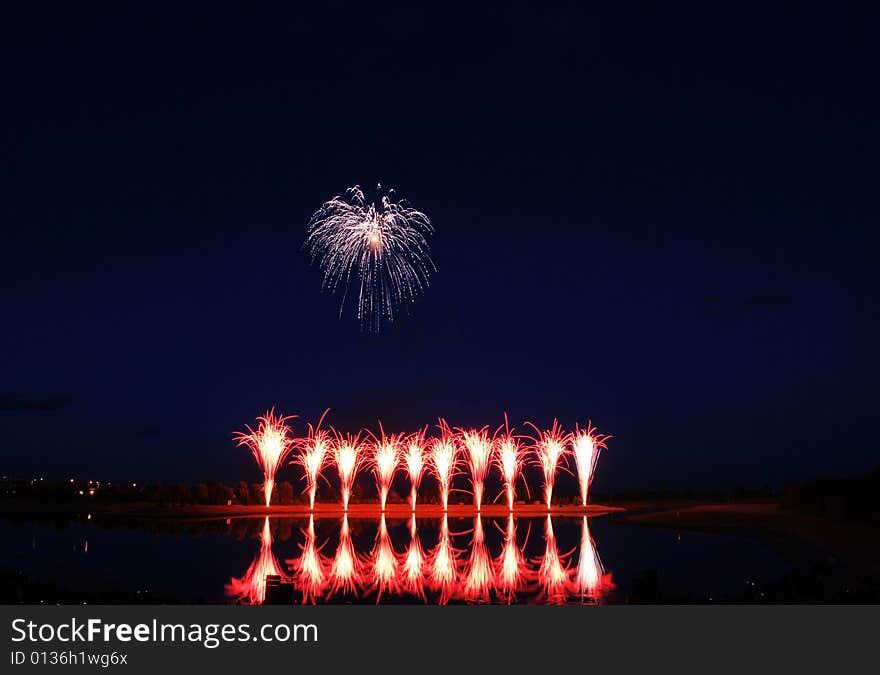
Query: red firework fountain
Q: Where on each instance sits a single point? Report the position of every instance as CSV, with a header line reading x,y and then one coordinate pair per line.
x,y
413,562
509,459
384,563
443,564
415,463
251,588
444,461
586,445
345,570
479,575
386,452
269,444
510,566
442,456
348,455
478,449
553,575
310,568
313,450
550,448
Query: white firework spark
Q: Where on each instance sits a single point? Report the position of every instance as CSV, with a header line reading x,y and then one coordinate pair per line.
x,y
378,250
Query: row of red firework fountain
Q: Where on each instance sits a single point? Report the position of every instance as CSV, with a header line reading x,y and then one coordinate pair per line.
x,y
445,570
443,456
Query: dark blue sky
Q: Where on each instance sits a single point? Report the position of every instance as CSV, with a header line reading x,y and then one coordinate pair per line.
x,y
661,219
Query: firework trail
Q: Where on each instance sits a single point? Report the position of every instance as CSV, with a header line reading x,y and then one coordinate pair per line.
x,y
414,562
310,568
509,458
386,452
510,567
589,579
549,447
479,574
380,251
415,463
444,461
269,444
313,450
553,575
384,563
348,455
586,445
346,569
251,588
443,564
478,447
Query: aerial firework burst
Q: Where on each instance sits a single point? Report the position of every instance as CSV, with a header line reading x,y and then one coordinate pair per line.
x,y
478,447
549,447
269,444
444,461
378,250
415,463
348,455
586,445
386,452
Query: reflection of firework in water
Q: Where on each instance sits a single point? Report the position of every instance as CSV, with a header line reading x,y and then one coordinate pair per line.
x,y
269,444
478,447
510,566
384,562
310,568
313,450
443,564
549,447
386,451
413,562
345,570
415,463
348,457
478,576
251,588
590,578
380,250
470,576
586,445
553,575
444,461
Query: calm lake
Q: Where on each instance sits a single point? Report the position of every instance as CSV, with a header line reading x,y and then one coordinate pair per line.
x,y
85,559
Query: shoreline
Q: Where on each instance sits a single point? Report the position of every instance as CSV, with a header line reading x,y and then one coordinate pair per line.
x,y
355,511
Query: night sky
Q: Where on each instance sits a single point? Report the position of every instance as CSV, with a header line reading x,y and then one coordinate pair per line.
x,y
661,218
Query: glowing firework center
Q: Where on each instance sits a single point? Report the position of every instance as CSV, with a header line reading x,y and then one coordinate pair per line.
x,y
378,254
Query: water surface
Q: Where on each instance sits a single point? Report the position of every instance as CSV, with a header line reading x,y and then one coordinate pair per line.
x,y
433,560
